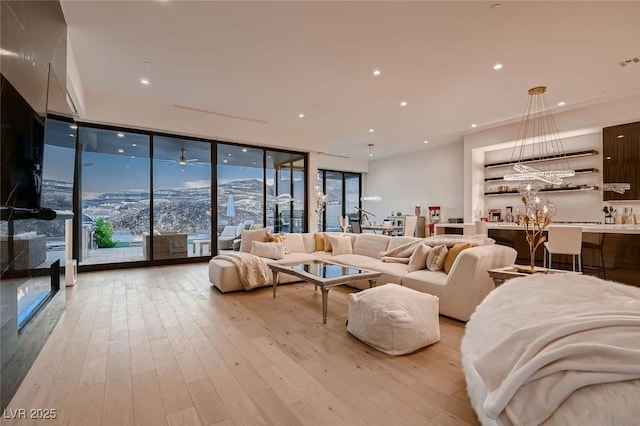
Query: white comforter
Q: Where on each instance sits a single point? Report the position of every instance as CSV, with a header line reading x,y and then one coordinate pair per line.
x,y
555,349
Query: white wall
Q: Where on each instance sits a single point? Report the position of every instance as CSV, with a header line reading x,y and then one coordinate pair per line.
x,y
572,123
427,178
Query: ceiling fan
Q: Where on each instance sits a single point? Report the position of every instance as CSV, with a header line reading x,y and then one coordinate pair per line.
x,y
183,158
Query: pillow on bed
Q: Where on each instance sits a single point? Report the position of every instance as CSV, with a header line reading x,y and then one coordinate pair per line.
x,y
435,258
269,250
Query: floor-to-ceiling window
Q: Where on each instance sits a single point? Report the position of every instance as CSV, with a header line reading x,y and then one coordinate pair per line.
x,y
114,195
181,198
343,191
286,185
240,192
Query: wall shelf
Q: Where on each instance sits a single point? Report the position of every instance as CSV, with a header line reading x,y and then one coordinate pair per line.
x,y
578,172
571,189
567,155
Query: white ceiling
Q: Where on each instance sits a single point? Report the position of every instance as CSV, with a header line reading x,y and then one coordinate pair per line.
x,y
270,61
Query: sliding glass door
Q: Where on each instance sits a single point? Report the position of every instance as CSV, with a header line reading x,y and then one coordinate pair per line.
x,y
114,196
181,198
343,197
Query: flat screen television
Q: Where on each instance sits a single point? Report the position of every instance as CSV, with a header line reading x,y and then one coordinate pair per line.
x,y
22,147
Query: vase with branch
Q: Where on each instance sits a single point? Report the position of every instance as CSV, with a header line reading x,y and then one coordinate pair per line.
x,y
538,212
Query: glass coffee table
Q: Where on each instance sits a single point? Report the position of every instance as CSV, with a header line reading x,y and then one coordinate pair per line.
x,y
324,275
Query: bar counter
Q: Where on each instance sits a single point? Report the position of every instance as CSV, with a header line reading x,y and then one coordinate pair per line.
x,y
620,245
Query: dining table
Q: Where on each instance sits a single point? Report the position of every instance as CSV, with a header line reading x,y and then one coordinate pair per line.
x,y
383,229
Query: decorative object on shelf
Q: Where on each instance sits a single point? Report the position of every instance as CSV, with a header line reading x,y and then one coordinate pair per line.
x,y
538,212
538,138
370,195
321,200
618,188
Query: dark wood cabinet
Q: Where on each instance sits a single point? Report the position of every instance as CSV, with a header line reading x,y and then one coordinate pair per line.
x,y
621,159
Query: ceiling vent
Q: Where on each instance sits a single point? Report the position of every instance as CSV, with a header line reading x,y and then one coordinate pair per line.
x,y
219,114
630,61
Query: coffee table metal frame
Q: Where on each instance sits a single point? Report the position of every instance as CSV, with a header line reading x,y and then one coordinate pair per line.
x,y
324,283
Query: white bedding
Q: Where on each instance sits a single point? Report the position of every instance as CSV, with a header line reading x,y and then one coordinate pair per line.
x,y
526,301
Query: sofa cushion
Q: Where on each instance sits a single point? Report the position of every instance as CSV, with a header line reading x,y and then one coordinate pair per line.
x,y
451,240
394,242
351,259
371,244
248,236
452,254
309,240
294,243
340,244
268,250
295,258
418,259
435,258
423,279
319,241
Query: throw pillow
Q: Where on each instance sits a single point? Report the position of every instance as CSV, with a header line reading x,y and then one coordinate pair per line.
x,y
278,238
452,254
435,258
268,250
418,259
340,245
327,242
319,236
248,236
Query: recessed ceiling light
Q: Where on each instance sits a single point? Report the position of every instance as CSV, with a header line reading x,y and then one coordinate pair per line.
x,y
608,158
562,103
377,71
497,67
73,126
228,155
620,136
120,135
244,149
133,156
134,144
121,151
71,134
403,103
371,130
474,125
144,81
301,115
224,161
425,141
147,63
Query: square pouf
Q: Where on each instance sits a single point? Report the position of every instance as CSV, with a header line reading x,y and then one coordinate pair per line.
x,y
394,319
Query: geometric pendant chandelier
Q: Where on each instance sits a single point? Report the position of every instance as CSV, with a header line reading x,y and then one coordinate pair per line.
x,y
538,141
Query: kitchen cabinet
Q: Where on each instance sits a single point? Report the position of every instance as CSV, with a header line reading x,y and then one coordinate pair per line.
x,y
621,159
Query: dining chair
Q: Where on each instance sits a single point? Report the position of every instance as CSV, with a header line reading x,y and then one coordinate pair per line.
x,y
410,223
564,240
355,226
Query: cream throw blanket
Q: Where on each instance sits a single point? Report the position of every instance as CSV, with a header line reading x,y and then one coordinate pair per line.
x,y
532,371
252,270
402,251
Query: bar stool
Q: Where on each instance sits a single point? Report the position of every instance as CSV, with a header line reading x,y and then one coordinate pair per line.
x,y
565,240
600,247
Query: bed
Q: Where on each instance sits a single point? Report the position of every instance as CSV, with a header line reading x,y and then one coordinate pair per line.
x,y
592,382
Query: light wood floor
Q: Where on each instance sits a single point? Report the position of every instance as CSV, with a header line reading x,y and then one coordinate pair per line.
x,y
159,346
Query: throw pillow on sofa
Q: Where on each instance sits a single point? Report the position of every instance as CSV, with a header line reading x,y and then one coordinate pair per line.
x,y
452,254
319,236
418,259
340,245
435,258
248,236
269,250
278,238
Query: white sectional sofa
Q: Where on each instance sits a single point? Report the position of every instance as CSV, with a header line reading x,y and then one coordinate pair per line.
x,y
460,291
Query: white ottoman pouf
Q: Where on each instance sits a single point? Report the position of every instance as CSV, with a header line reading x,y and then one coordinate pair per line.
x,y
394,319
